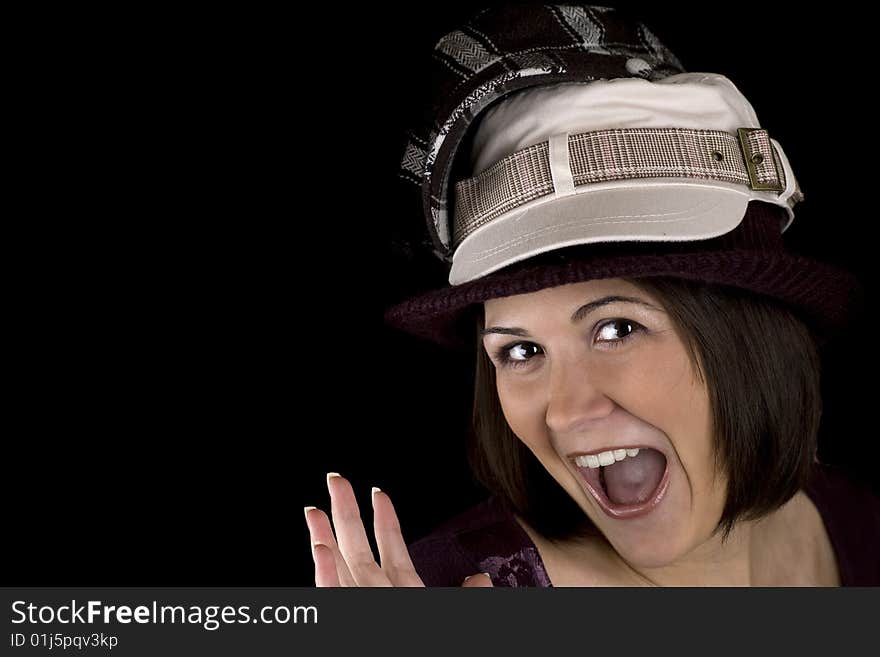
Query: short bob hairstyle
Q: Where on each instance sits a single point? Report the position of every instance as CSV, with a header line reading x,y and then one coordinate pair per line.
x,y
761,364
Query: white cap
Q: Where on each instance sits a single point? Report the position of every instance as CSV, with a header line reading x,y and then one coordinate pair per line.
x,y
659,208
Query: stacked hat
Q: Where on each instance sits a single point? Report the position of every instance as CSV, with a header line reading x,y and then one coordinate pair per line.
x,y
569,144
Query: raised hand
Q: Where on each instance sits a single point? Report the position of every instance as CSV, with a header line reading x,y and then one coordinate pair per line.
x,y
350,561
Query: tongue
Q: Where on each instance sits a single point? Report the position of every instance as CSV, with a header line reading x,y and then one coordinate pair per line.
x,y
633,479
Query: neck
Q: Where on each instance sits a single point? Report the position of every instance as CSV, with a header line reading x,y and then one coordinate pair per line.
x,y
749,557
740,561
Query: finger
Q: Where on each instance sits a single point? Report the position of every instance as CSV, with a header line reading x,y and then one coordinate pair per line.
x,y
326,573
321,532
351,536
393,554
477,581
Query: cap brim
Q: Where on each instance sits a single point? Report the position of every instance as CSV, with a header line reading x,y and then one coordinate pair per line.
x,y
647,212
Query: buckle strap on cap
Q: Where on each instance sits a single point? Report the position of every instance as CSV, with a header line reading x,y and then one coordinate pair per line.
x,y
763,171
747,158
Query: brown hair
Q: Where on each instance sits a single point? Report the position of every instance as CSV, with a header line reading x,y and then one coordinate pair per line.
x,y
761,365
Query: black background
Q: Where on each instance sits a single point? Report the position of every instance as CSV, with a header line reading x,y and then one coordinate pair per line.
x,y
198,307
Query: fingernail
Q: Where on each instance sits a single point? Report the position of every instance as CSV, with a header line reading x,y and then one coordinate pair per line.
x,y
314,543
469,576
376,490
332,474
306,511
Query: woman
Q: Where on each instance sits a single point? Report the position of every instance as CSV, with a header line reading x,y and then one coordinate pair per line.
x,y
647,385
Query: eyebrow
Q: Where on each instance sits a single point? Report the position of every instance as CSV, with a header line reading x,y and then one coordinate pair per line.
x,y
577,316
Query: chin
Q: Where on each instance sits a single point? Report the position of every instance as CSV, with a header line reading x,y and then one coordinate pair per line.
x,y
656,539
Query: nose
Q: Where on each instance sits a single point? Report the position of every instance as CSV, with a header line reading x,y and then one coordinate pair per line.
x,y
575,400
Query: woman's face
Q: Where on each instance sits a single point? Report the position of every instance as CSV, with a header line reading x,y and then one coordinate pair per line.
x,y
617,377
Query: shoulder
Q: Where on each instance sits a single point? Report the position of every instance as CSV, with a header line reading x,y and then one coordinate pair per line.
x,y
834,488
850,512
484,538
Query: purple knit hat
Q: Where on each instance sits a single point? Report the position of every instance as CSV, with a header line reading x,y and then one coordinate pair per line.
x,y
538,189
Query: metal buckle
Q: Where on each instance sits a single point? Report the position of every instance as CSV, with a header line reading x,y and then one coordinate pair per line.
x,y
751,165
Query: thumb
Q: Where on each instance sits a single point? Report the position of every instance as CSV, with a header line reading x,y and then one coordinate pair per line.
x,y
478,580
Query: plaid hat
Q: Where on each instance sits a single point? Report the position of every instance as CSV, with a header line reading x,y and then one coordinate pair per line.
x,y
566,143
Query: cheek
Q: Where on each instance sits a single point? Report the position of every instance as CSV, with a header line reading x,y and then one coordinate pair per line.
x,y
524,412
680,403
677,398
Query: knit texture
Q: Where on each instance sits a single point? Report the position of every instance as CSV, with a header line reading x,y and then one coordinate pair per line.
x,y
751,257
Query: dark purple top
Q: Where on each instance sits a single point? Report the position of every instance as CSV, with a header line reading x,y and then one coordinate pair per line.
x,y
487,538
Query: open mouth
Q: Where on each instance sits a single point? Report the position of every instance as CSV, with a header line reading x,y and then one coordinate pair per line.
x,y
629,488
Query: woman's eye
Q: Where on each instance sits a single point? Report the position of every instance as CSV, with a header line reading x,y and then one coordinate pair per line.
x,y
517,354
622,328
522,351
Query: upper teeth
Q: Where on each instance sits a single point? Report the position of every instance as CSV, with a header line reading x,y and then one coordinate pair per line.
x,y
604,458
